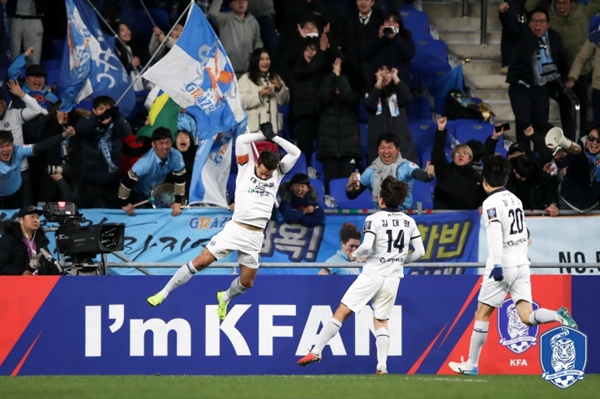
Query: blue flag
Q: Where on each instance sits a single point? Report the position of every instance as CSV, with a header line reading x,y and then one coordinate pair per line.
x,y
4,50
197,74
89,64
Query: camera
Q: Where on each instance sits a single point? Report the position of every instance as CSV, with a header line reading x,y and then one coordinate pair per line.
x,y
53,169
389,30
82,243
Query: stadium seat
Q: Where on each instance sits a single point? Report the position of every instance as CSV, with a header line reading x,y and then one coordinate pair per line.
x,y
52,67
477,131
419,108
299,167
231,187
317,165
422,133
415,21
429,50
337,189
423,192
320,187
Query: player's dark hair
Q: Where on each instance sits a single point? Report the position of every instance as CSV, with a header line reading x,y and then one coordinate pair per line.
x,y
526,166
269,158
389,137
496,169
393,191
349,231
6,137
161,133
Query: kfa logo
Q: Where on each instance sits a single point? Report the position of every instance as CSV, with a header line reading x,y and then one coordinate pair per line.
x,y
563,356
514,334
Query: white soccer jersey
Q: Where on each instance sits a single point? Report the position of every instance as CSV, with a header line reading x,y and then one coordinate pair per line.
x,y
393,232
509,250
254,197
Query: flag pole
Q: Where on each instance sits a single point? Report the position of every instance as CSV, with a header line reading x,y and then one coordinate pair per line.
x,y
112,31
148,13
155,52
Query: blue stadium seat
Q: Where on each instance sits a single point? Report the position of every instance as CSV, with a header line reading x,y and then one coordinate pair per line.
x,y
419,108
317,165
415,21
299,167
595,23
231,186
52,67
337,189
423,192
429,50
320,187
422,133
477,131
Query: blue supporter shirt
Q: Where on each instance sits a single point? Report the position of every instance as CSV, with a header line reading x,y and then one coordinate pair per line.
x,y
10,173
152,171
340,257
403,173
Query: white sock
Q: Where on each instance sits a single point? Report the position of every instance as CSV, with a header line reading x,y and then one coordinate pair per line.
x,y
382,343
236,288
329,330
542,316
182,276
480,332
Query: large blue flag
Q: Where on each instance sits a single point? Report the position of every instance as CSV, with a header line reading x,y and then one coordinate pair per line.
x,y
197,74
89,64
4,51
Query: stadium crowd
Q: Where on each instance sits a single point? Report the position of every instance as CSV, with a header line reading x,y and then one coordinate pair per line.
x,y
317,70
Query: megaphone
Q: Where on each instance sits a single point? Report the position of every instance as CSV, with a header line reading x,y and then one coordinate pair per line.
x,y
555,138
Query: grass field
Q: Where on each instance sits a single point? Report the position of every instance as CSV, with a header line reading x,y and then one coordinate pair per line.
x,y
281,387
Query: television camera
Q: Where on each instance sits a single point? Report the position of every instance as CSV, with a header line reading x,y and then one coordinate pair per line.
x,y
78,243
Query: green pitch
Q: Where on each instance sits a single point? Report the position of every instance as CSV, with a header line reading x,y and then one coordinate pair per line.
x,y
297,386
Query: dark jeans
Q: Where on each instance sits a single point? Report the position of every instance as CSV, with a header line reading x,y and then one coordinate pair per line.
x,y
306,130
531,106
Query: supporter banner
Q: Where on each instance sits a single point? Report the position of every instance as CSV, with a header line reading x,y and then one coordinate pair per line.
x,y
564,239
102,325
153,235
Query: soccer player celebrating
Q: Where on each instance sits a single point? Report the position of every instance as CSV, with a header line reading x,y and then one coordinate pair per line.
x,y
256,189
507,266
387,234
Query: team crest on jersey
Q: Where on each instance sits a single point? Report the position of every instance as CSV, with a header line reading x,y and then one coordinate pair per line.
x,y
367,225
515,335
492,214
563,356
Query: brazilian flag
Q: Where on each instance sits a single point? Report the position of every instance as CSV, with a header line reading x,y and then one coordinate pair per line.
x,y
163,113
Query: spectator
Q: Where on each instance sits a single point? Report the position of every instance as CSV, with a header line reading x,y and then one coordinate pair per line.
x,y
388,163
262,91
515,10
20,245
308,75
12,120
151,170
580,186
393,46
102,134
26,27
129,54
350,237
339,148
458,185
589,50
11,157
385,103
264,12
158,36
359,28
300,202
571,20
478,150
541,152
533,74
238,30
184,143
534,187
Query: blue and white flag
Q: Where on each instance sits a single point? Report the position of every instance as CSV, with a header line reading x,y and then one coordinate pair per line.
x,y
89,65
197,75
212,166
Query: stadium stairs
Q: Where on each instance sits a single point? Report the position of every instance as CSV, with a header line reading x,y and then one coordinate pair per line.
x,y
463,39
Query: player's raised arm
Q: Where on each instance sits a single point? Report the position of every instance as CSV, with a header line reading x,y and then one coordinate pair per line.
x,y
292,152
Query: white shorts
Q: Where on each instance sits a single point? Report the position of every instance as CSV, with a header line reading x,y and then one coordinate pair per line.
x,y
517,283
234,237
380,291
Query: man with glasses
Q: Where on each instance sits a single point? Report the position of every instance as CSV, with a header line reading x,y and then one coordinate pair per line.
x,y
533,73
571,20
255,193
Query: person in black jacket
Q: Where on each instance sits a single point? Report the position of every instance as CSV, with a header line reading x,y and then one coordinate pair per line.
x,y
458,185
535,70
102,134
300,203
534,187
339,147
20,245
